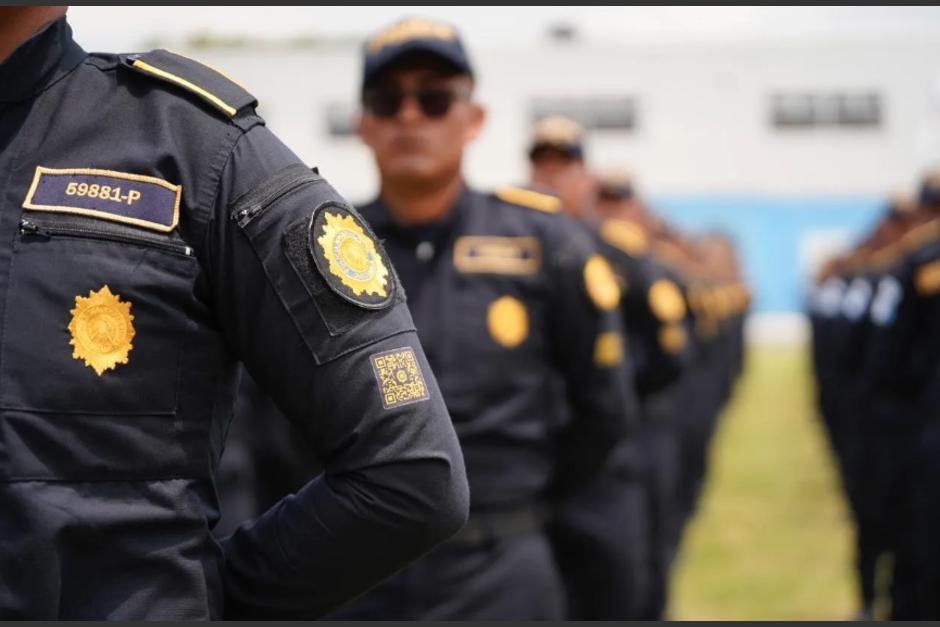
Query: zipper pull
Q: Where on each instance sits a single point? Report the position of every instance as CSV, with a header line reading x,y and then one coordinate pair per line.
x,y
246,215
28,227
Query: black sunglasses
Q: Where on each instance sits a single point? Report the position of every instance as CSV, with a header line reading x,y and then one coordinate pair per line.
x,y
434,102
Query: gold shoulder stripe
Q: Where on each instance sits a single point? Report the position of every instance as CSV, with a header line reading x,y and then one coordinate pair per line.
x,y
185,84
927,278
626,236
530,199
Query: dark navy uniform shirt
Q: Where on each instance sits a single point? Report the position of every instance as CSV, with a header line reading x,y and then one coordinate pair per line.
x,y
153,232
518,315
654,307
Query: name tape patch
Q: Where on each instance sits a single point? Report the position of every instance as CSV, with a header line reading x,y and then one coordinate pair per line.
x,y
143,201
498,255
399,376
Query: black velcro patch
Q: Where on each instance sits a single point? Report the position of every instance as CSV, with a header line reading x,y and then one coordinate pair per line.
x,y
350,258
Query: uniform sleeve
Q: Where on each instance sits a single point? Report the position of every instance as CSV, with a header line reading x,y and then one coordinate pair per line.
x,y
662,324
591,351
905,346
345,367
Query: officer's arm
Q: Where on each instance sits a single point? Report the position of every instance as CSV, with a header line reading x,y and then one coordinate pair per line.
x,y
591,351
662,317
394,483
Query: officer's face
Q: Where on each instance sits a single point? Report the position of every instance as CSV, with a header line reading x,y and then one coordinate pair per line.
x,y
609,206
565,176
417,121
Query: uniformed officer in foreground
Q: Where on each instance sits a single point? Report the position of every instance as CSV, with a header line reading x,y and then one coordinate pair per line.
x,y
155,232
518,314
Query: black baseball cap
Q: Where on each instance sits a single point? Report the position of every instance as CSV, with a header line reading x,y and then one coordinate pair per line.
x,y
557,133
414,36
615,183
929,193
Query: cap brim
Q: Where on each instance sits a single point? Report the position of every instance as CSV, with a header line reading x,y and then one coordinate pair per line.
x,y
445,51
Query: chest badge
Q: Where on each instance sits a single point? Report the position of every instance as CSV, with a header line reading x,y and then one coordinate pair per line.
x,y
352,259
102,329
601,283
507,321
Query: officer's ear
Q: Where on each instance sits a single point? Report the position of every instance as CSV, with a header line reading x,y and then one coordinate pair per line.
x,y
365,129
477,115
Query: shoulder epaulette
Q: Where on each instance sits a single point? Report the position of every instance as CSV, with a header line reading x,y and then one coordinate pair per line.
x,y
669,253
530,199
626,236
209,84
927,278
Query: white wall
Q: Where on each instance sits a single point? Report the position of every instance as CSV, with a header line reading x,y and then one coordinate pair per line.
x,y
703,111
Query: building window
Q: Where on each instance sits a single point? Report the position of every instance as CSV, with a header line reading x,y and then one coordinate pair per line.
x,y
601,113
341,119
802,110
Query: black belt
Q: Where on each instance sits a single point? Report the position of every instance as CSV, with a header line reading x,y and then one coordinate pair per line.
x,y
488,527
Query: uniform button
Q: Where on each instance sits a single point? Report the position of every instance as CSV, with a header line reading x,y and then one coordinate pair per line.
x,y
424,251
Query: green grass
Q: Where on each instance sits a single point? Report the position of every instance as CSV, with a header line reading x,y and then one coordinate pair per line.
x,y
772,537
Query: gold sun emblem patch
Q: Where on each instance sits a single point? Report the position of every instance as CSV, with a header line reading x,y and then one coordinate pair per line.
x,y
102,329
352,256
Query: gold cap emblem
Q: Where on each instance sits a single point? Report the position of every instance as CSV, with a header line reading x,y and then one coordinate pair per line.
x,y
352,256
102,329
601,284
508,321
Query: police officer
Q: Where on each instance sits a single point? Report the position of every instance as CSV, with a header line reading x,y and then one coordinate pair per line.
x,y
657,314
518,314
898,399
155,232
608,537
557,164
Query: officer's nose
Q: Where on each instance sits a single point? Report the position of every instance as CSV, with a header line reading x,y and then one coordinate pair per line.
x,y
410,111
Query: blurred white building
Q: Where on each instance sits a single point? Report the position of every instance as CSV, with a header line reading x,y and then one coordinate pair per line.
x,y
790,143
805,116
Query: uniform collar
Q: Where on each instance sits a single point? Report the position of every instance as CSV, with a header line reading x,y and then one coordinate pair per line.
x,y
381,219
39,62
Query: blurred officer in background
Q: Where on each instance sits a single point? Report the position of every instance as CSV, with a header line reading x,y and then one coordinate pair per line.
x,y
155,233
611,540
883,345
556,160
518,313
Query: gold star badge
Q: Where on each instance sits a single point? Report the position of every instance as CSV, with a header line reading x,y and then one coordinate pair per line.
x,y
666,301
601,283
507,321
102,329
352,257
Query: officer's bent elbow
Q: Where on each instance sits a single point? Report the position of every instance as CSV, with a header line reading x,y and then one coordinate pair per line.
x,y
451,494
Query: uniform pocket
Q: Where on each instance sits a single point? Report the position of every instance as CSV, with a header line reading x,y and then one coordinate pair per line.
x,y
95,318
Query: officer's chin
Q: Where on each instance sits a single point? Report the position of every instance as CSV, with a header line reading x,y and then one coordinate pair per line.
x,y
415,171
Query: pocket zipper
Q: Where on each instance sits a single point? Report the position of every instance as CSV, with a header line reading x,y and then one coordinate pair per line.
x,y
257,201
29,227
